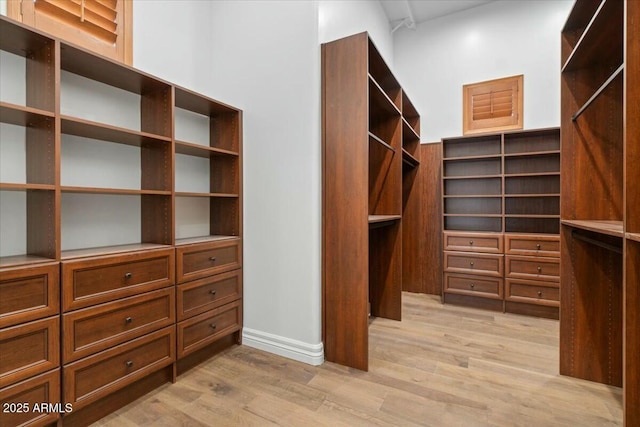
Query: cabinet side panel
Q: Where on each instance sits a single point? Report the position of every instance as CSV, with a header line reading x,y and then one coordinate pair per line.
x,y
345,204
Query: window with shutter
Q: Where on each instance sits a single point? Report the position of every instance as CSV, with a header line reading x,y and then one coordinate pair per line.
x,y
493,105
103,26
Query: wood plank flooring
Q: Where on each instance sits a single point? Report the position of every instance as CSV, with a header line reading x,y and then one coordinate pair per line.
x,y
440,366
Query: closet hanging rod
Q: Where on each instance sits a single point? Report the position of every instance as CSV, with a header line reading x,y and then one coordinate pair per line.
x,y
597,93
596,242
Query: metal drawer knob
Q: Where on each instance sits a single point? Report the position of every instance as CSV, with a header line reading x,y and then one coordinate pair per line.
x,y
471,263
212,258
127,275
129,363
539,269
539,294
472,285
128,320
212,291
471,242
538,246
213,326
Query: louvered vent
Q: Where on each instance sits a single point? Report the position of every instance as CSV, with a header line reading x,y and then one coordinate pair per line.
x,y
493,105
96,17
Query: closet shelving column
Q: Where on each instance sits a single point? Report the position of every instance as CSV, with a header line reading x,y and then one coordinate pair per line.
x,y
599,336
362,195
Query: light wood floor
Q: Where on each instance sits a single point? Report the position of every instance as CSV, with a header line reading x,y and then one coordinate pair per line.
x,y
440,366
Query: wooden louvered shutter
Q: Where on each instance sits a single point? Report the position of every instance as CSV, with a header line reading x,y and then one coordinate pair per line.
x,y
103,26
493,105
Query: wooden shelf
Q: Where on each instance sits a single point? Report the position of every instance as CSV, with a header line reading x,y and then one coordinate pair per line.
x,y
611,228
475,215
122,191
530,174
378,96
633,236
110,250
373,138
531,216
198,150
20,39
383,218
488,156
447,178
22,116
409,160
406,127
600,41
20,260
192,101
616,74
533,195
203,239
108,133
196,194
533,154
7,186
472,196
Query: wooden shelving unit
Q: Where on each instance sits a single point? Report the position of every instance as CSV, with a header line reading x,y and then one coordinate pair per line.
x,y
95,196
502,189
600,83
370,158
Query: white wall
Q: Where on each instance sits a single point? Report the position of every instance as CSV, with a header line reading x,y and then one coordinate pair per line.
x,y
338,19
499,39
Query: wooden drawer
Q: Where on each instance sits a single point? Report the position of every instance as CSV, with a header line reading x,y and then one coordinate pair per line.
x,y
94,329
541,293
199,331
29,293
466,262
44,388
91,281
29,349
96,376
482,286
206,294
473,242
206,259
533,268
532,245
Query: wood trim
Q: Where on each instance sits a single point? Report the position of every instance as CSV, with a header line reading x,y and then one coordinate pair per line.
x,y
14,9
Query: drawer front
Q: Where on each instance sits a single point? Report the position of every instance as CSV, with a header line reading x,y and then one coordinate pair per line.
x,y
206,294
464,262
29,349
44,388
94,329
533,245
91,281
533,268
196,261
94,377
473,242
204,329
29,293
541,293
464,284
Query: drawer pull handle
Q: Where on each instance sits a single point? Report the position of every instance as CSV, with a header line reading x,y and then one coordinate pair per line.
x,y
538,246
128,320
539,294
472,285
212,291
212,258
127,275
471,263
539,269
471,242
129,363
213,326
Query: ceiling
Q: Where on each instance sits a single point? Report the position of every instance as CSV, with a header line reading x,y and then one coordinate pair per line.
x,y
412,12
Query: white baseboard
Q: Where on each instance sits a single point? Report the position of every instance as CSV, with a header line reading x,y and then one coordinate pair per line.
x,y
312,354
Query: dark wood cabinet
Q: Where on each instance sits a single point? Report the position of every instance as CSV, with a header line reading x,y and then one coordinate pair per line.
x,y
371,155
501,196
600,297
93,298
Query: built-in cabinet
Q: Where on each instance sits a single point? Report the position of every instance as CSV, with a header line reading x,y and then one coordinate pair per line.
x,y
600,298
121,254
371,146
501,218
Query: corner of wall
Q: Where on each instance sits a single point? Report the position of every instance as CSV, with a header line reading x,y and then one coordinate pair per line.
x,y
312,354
